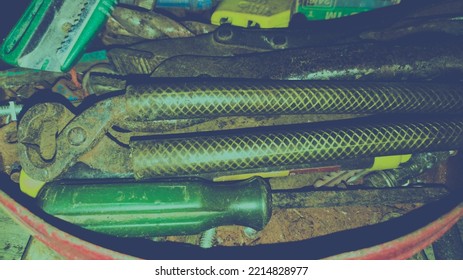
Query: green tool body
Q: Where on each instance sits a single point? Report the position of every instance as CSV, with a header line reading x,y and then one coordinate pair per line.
x,y
53,34
159,208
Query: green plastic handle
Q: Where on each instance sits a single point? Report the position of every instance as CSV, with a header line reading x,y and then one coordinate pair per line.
x,y
52,35
138,209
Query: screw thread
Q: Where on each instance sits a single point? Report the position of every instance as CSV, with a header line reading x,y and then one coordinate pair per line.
x,y
208,238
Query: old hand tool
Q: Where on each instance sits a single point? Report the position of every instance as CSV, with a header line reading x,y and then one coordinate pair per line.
x,y
429,60
163,208
289,147
227,40
159,208
52,138
395,23
53,34
143,58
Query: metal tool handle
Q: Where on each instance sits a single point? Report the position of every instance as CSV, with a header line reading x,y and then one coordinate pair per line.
x,y
284,147
180,100
159,208
404,61
187,99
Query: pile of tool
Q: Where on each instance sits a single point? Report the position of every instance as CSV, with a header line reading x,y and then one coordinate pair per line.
x,y
178,127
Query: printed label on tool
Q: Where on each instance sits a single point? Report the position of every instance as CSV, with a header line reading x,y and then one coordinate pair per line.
x,y
331,9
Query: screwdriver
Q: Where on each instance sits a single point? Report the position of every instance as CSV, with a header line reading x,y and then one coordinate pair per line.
x,y
173,207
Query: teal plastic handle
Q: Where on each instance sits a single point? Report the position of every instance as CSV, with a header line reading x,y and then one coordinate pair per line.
x,y
165,208
21,34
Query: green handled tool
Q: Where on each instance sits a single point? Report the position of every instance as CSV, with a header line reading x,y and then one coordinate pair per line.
x,y
159,208
53,34
162,208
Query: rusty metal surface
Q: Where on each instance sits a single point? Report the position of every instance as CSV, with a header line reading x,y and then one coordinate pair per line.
x,y
52,138
212,98
402,21
149,25
109,156
8,147
283,148
452,25
18,77
75,138
107,160
366,61
357,197
128,26
143,58
228,40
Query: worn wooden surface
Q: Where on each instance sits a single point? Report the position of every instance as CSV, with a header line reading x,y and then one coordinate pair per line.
x,y
13,238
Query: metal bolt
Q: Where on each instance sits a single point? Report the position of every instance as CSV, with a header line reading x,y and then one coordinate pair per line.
x,y
11,111
225,34
77,136
208,238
